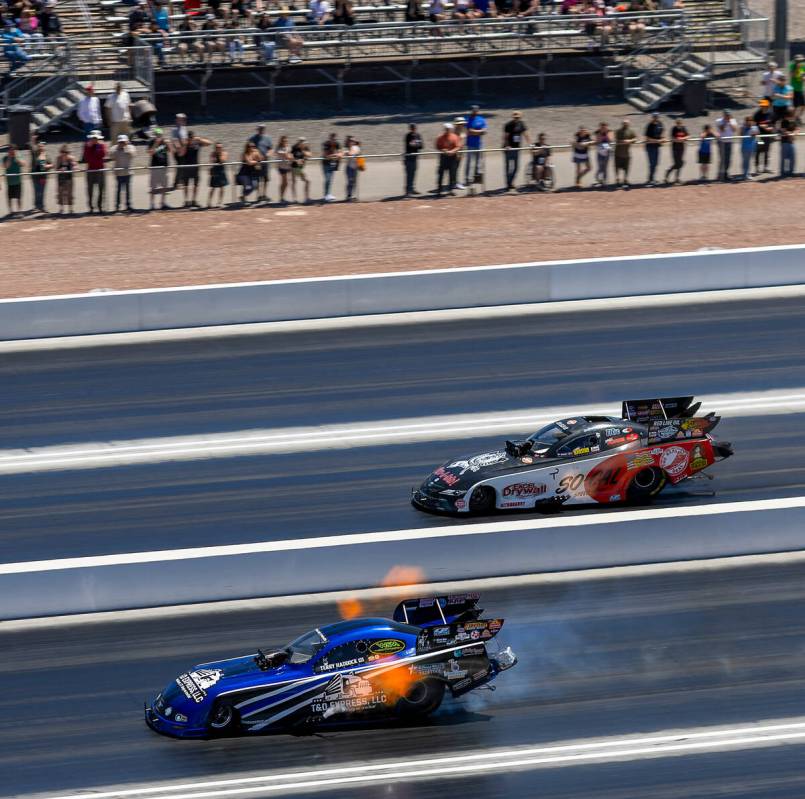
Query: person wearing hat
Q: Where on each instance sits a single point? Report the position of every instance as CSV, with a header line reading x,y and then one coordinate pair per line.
x,y
123,159
769,79
766,135
448,145
797,72
476,130
89,110
95,157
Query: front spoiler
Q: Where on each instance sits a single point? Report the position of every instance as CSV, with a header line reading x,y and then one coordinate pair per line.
x,y
428,504
164,727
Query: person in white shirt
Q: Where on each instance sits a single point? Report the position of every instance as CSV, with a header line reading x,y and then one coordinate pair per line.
x,y
89,111
769,79
179,130
726,130
320,12
123,158
118,113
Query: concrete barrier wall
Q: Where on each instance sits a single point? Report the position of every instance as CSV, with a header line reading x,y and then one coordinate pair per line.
x,y
199,306
353,562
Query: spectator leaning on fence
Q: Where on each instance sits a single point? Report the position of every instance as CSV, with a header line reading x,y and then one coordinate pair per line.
x,y
12,165
540,161
89,110
515,133
748,132
679,140
413,146
448,145
625,138
706,142
95,156
262,141
118,111
476,130
788,132
726,130
65,168
300,153
187,155
158,152
123,160
284,165
603,151
765,123
355,163
330,161
654,136
40,166
580,151
218,179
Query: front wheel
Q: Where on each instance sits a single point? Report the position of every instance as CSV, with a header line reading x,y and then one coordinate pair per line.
x,y
482,499
645,485
421,699
224,719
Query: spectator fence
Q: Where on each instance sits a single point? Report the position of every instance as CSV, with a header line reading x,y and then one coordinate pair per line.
x,y
383,178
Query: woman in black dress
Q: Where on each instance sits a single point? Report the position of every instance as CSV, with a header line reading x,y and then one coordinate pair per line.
x,y
218,178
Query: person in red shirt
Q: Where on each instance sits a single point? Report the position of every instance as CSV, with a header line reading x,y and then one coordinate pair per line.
x,y
95,156
448,145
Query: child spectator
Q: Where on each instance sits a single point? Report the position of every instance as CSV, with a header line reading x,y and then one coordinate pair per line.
x,y
708,137
218,178
64,167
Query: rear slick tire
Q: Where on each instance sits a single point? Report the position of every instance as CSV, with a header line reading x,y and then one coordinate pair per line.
x,y
645,485
421,699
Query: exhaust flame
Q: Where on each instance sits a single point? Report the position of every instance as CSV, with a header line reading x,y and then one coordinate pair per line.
x,y
397,576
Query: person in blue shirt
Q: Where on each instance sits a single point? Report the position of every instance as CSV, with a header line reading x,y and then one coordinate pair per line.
x,y
12,46
476,129
161,17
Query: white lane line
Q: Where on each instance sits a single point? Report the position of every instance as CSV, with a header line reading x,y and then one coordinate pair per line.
x,y
525,526
629,747
326,437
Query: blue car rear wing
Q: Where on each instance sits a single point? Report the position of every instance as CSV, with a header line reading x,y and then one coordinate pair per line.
x,y
438,610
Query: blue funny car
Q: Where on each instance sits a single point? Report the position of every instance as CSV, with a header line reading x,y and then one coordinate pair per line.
x,y
351,670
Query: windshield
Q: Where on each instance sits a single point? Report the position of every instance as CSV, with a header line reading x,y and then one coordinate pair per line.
x,y
305,647
550,434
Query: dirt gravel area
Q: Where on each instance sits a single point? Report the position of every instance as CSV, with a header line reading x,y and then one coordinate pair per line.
x,y
52,256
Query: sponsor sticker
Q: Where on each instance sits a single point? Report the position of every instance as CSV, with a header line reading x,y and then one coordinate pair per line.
x,y
524,490
446,477
674,460
639,461
388,646
194,684
698,461
527,460
518,504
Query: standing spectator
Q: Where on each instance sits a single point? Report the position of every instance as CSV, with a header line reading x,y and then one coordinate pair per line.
x,y
123,159
654,140
119,115
64,167
413,146
262,141
603,149
89,111
218,178
12,164
300,152
49,22
679,140
188,155
580,148
765,124
788,132
476,130
726,130
95,157
460,129
540,155
319,12
625,138
13,50
158,173
249,169
39,174
769,79
797,70
331,158
514,132
284,165
782,99
352,152
748,132
706,152
448,145
179,130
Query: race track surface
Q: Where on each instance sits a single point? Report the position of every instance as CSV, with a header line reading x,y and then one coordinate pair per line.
x,y
614,657
215,386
